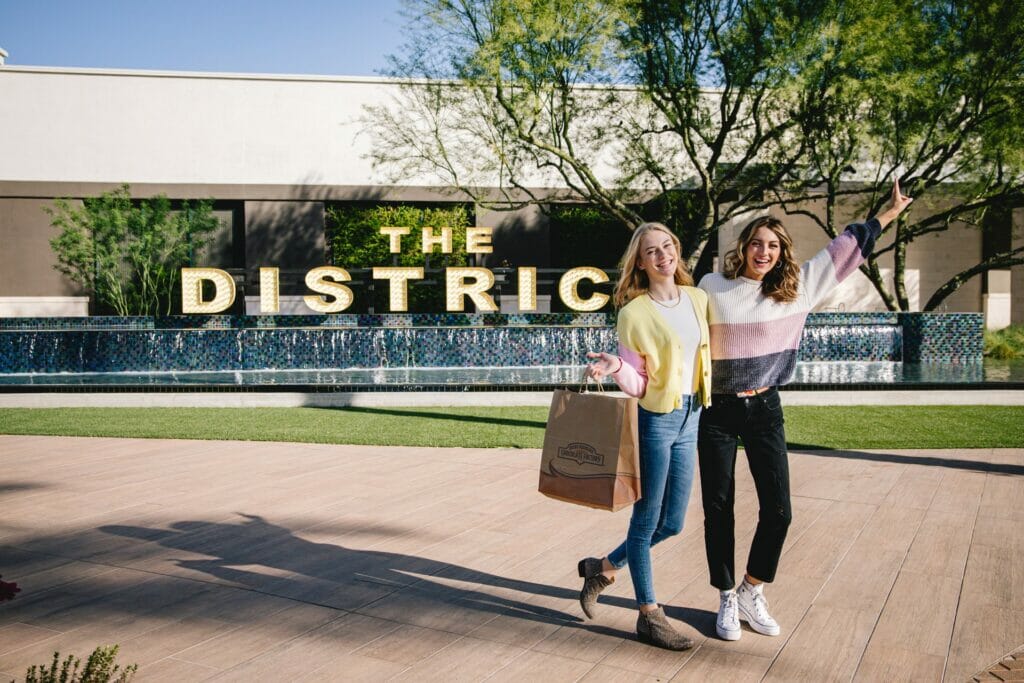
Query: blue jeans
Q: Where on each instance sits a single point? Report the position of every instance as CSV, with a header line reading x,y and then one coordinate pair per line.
x,y
668,450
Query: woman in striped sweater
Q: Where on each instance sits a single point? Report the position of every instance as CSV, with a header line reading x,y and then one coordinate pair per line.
x,y
757,309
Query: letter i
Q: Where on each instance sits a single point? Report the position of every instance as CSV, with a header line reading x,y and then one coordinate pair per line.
x,y
269,290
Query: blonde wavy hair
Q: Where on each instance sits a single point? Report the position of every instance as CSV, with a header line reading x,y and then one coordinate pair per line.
x,y
632,281
783,281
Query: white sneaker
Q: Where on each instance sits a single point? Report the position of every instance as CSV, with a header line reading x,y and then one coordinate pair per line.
x,y
754,609
728,622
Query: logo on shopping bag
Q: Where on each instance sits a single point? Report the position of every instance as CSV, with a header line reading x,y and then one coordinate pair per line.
x,y
581,453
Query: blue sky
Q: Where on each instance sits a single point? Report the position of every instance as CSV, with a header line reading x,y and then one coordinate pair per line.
x,y
346,37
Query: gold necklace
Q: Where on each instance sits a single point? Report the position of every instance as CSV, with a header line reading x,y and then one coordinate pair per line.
x,y
665,305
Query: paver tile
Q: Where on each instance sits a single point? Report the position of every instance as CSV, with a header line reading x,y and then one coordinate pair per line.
x,y
307,562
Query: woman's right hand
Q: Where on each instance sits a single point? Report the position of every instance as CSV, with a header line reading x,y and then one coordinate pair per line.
x,y
606,364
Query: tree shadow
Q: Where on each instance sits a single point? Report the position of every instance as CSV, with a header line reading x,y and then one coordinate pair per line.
x,y
19,486
901,459
412,412
258,555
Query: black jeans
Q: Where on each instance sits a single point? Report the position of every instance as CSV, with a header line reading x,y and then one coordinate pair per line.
x,y
758,421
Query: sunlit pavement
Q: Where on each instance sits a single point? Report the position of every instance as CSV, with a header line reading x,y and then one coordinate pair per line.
x,y
270,562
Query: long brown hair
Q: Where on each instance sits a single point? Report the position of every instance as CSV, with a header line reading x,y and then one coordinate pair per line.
x,y
781,282
632,281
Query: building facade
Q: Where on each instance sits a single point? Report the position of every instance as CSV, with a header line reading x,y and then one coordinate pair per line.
x,y
274,152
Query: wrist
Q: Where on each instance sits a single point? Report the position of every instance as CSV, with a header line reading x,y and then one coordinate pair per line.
x,y
620,365
888,216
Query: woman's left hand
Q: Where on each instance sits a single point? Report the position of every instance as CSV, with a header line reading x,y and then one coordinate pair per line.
x,y
895,206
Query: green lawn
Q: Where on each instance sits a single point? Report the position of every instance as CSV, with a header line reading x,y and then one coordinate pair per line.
x,y
806,426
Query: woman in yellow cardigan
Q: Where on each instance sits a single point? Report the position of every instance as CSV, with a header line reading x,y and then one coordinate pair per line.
x,y
664,360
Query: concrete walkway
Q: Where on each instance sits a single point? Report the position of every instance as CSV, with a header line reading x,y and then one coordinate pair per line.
x,y
295,562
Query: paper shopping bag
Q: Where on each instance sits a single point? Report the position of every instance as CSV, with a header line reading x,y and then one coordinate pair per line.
x,y
591,455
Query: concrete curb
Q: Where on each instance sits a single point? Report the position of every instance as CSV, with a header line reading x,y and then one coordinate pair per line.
x,y
270,399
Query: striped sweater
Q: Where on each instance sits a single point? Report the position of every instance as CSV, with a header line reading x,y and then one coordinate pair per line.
x,y
754,339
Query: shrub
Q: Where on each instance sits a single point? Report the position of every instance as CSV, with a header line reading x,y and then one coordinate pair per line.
x,y
356,242
99,668
583,236
1005,344
128,255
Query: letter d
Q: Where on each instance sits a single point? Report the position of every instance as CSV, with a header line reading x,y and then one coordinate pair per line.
x,y
192,290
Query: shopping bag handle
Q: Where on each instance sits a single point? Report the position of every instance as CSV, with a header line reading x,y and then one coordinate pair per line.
x,y
585,382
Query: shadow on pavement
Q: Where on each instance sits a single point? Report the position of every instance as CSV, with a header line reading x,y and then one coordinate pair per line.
x,y
412,412
346,578
904,459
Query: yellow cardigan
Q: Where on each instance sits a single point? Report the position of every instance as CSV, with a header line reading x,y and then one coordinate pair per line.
x,y
645,332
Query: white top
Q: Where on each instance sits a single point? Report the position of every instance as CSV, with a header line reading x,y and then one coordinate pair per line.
x,y
683,321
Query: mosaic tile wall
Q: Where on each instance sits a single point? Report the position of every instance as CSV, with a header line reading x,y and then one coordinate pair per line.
x,y
49,345
943,338
851,336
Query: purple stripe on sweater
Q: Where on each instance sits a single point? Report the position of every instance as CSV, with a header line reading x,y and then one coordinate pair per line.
x,y
849,249
845,253
742,374
747,340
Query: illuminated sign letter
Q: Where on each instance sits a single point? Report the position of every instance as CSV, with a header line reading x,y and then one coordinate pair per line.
x,y
270,288
395,237
399,278
528,289
456,289
478,241
430,239
325,280
570,296
192,290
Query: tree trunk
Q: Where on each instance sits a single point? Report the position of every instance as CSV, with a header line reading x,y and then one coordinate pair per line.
x,y
899,264
696,256
874,275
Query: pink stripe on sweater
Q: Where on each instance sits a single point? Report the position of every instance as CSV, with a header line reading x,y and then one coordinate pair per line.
x,y
749,340
845,253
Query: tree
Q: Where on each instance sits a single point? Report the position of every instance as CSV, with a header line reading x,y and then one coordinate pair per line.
x,y
608,98
129,254
720,107
723,77
930,93
508,101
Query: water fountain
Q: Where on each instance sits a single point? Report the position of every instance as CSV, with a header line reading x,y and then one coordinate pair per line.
x,y
448,351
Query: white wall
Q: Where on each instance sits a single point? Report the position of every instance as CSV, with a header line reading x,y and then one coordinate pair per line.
x,y
151,127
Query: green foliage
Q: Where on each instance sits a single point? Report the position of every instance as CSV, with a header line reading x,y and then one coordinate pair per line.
x,y
99,668
356,242
930,92
521,116
526,114
722,76
129,255
1005,344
